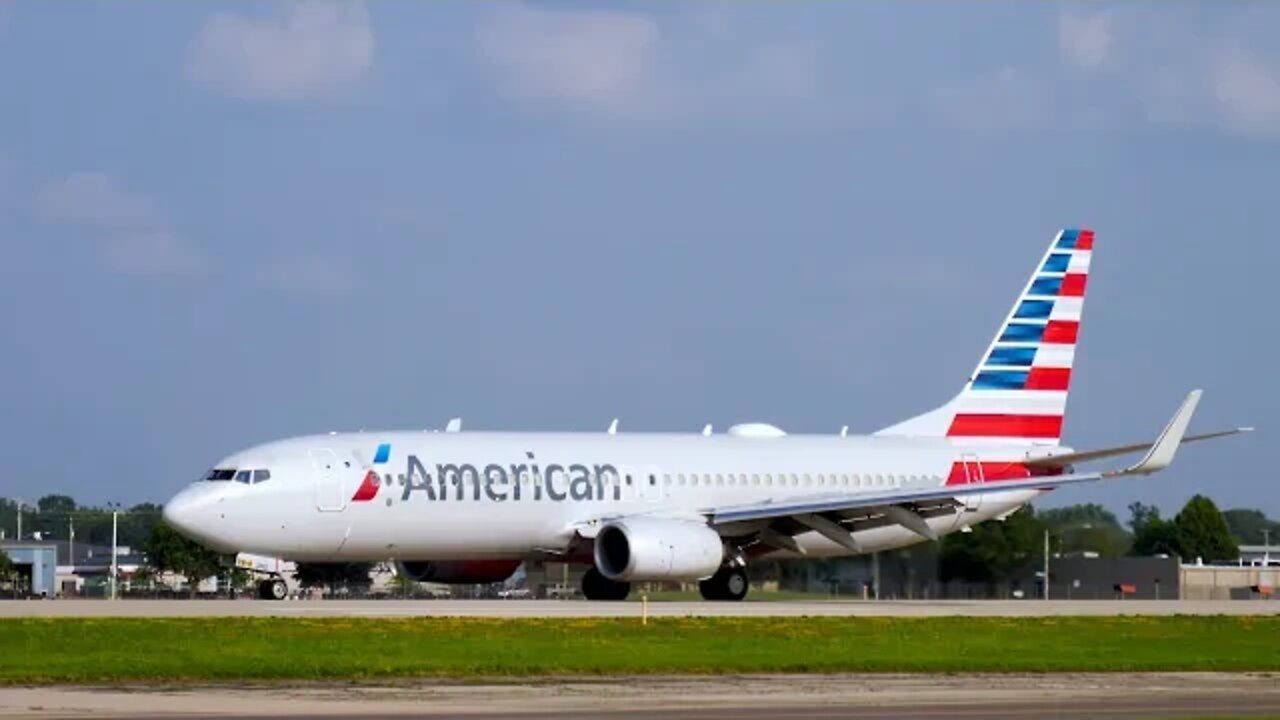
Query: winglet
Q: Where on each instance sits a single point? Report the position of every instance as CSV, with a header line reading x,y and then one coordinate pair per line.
x,y
706,430
613,427
455,424
1161,453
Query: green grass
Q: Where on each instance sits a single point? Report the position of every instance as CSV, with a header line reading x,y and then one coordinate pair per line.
x,y
85,650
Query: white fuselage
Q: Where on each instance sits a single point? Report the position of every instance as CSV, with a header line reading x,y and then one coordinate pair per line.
x,y
480,495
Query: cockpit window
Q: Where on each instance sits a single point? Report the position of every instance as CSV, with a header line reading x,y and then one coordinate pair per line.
x,y
261,476
220,475
244,476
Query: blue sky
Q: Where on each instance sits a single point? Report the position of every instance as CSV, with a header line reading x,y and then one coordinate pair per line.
x,y
226,223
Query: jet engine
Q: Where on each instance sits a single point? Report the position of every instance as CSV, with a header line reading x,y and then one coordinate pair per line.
x,y
458,572
639,549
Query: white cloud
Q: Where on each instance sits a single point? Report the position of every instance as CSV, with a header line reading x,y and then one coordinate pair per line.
x,y
1085,39
781,71
1005,99
132,234
597,59
316,50
93,198
313,275
1247,92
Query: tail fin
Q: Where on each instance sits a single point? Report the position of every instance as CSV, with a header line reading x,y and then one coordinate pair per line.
x,y
1018,392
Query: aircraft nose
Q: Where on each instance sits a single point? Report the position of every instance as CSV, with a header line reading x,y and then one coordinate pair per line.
x,y
193,513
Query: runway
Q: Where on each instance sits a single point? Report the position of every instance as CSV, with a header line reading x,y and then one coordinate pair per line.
x,y
813,697
579,608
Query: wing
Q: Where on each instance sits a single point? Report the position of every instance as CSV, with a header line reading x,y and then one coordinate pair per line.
x,y
829,514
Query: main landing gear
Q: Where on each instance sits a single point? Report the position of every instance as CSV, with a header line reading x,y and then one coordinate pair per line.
x,y
598,587
729,583
274,589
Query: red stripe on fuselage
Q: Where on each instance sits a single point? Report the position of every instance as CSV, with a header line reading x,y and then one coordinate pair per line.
x,y
1048,378
1061,332
1018,426
994,471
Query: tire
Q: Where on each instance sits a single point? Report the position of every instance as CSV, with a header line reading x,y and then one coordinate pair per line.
x,y
729,583
272,589
279,590
598,587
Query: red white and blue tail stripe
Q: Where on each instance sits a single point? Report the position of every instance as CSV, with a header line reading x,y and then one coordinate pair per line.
x,y
1018,392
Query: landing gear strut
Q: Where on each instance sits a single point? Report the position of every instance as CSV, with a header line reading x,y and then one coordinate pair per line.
x,y
274,589
598,587
729,583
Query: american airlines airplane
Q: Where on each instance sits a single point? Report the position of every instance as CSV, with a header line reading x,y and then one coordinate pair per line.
x,y
469,507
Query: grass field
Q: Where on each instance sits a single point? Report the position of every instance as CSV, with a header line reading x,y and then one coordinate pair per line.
x,y
97,650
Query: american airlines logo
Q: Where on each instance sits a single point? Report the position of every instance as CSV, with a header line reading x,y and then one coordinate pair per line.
x,y
497,482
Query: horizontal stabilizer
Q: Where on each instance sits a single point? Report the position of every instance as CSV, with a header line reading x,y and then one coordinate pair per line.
x,y
808,511
1075,458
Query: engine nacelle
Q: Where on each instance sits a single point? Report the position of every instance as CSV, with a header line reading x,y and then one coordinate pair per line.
x,y
657,549
458,572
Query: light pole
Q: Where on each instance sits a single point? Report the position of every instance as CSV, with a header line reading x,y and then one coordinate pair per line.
x,y
19,504
115,516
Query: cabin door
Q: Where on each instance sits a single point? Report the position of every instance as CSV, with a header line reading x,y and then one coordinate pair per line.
x,y
330,490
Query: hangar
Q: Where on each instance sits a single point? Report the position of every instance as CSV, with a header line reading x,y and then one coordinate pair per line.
x,y
37,565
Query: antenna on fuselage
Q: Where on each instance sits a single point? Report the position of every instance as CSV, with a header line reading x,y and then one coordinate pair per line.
x,y
613,427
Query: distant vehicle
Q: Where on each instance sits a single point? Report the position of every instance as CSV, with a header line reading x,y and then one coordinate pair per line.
x,y
469,507
270,574
515,593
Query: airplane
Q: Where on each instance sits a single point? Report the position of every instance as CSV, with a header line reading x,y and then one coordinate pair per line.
x,y
470,507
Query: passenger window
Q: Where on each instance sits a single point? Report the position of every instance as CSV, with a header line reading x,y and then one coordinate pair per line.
x,y
261,476
244,476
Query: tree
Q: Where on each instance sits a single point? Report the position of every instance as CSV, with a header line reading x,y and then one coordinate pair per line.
x,y
994,552
1247,526
1088,527
56,504
1151,534
7,568
168,551
1202,532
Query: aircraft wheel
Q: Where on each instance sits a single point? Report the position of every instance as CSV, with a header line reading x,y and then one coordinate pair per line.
x,y
729,583
598,587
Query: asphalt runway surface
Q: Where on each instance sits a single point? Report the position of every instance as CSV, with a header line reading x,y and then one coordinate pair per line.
x,y
805,697
579,608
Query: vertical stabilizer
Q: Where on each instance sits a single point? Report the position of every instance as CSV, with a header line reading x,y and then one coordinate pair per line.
x,y
1018,391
